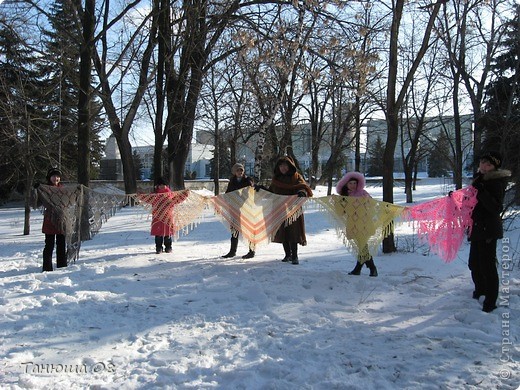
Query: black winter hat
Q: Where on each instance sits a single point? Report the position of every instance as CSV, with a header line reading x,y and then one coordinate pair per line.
x,y
53,172
161,181
493,157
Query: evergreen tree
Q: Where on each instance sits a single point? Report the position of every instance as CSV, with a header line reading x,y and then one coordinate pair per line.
x,y
224,161
138,165
438,161
502,111
375,162
22,143
61,67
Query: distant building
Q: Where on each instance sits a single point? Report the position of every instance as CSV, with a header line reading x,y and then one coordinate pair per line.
x,y
199,160
302,146
197,164
377,128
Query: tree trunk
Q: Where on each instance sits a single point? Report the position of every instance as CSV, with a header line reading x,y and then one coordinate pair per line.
x,y
357,146
84,119
85,96
180,131
27,203
163,43
457,169
388,171
127,161
394,102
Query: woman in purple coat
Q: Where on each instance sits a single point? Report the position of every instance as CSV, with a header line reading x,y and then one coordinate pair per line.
x,y
353,184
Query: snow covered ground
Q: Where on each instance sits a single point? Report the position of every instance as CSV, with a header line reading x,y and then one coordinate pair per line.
x,y
123,317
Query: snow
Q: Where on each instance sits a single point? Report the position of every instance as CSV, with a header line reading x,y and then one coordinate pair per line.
x,y
124,317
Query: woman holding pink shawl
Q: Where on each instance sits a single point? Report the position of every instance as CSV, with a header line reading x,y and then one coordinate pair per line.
x,y
353,184
490,182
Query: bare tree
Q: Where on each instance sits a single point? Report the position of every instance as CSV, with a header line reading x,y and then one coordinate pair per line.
x,y
416,110
471,32
201,26
395,99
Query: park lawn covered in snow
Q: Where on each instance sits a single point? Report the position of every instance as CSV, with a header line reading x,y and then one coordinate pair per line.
x,y
125,317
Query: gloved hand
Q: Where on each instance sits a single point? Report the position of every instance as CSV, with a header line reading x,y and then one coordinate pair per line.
x,y
477,180
478,185
259,187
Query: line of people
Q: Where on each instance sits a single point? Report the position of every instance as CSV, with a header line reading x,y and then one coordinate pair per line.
x,y
490,181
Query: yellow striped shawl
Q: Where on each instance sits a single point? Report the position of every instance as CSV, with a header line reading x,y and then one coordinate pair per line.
x,y
257,215
361,222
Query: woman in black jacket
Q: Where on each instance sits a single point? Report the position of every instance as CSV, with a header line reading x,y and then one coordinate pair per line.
x,y
237,181
491,182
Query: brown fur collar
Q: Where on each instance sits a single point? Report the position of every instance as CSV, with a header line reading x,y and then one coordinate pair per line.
x,y
497,174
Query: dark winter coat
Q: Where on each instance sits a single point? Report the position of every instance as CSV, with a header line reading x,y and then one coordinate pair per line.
x,y
291,183
48,226
487,220
234,184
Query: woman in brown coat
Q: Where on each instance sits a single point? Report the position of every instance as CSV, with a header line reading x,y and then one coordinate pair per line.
x,y
287,181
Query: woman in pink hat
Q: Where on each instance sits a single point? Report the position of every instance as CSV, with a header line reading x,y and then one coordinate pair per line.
x,y
353,184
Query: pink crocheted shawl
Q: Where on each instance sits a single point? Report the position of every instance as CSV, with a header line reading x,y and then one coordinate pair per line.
x,y
443,223
179,210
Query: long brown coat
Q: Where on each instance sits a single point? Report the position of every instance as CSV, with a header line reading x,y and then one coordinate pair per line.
x,y
291,183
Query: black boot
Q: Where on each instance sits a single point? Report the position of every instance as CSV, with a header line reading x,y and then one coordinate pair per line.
x,y
249,254
294,253
233,251
488,307
287,250
168,244
357,269
158,244
370,265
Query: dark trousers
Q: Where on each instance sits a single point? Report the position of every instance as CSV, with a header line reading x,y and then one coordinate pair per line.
x,y
167,242
483,266
61,254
